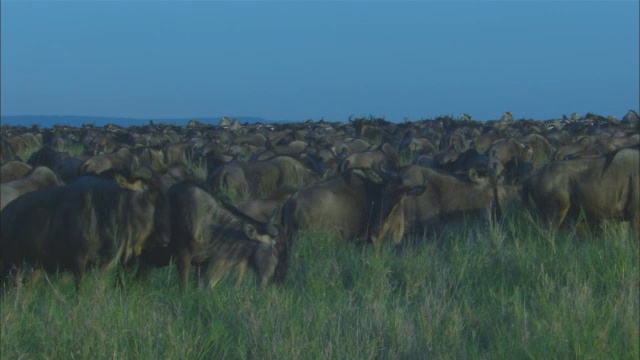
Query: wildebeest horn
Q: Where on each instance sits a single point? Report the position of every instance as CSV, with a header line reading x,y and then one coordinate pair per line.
x,y
375,175
143,173
383,170
271,228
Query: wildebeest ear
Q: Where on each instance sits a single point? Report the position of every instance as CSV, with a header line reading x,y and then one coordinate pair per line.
x,y
143,173
416,190
270,227
473,175
349,175
250,231
136,185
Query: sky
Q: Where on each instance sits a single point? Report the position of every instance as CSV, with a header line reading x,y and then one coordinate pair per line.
x,y
285,60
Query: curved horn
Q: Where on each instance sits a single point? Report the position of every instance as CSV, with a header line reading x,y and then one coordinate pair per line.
x,y
270,227
143,173
375,175
383,170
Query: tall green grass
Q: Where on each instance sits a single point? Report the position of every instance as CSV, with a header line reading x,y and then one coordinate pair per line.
x,y
198,168
516,290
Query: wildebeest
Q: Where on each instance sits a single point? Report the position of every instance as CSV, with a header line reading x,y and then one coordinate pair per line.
x,y
40,177
66,167
213,235
119,159
24,142
262,209
510,151
472,159
261,178
93,222
602,188
384,155
6,151
448,198
358,205
13,170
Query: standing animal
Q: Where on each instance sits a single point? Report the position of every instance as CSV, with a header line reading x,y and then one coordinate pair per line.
x,y
120,159
384,155
66,167
254,179
40,177
93,222
606,187
218,237
447,198
13,170
361,204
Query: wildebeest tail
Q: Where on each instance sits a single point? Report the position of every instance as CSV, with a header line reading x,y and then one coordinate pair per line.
x,y
285,241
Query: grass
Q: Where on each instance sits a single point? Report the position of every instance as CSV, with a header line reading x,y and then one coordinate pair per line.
x,y
198,168
24,155
73,149
517,290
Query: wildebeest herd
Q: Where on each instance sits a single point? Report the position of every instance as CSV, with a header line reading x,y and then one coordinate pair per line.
x,y
226,197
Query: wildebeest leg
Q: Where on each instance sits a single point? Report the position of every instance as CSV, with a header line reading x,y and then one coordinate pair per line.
x,y
12,272
215,270
635,225
199,276
633,207
35,277
79,269
282,266
564,205
242,268
265,261
184,263
9,270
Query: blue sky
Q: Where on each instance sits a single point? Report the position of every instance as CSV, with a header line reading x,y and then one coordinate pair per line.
x,y
299,60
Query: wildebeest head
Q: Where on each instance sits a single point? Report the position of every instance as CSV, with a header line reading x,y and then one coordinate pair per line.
x,y
488,177
385,191
150,208
255,230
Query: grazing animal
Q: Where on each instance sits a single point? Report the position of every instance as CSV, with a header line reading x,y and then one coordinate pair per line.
x,y
40,177
447,198
66,167
261,178
606,187
13,170
384,155
507,117
360,204
218,237
120,159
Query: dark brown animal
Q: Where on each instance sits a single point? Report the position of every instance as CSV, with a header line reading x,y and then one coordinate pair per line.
x,y
254,179
262,209
40,177
93,222
6,151
509,151
13,170
219,238
602,188
384,155
358,205
447,198
66,167
120,159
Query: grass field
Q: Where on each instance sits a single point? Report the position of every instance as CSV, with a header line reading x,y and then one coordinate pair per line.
x,y
515,291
